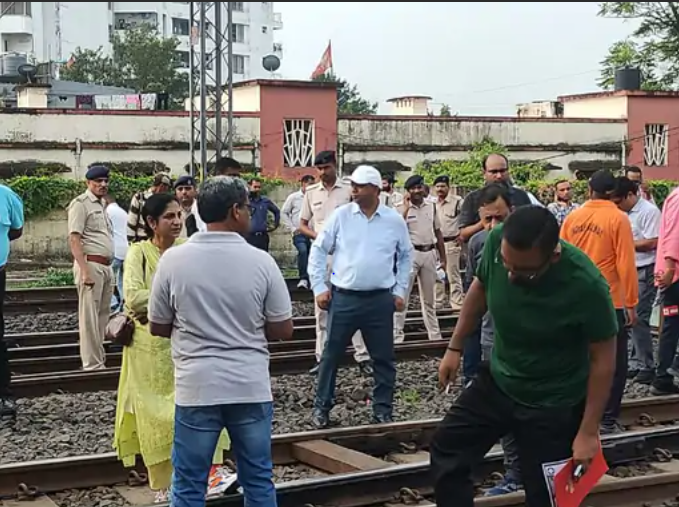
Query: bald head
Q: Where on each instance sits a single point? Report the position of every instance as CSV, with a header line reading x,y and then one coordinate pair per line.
x,y
495,168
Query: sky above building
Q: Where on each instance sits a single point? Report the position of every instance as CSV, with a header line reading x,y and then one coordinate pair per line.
x,y
479,58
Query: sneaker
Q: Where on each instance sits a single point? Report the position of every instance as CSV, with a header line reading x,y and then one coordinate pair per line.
x,y
674,371
314,370
645,377
611,428
381,419
320,419
632,374
303,284
221,478
8,408
162,496
504,487
366,368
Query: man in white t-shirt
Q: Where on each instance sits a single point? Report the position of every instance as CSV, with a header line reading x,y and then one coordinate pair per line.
x,y
118,217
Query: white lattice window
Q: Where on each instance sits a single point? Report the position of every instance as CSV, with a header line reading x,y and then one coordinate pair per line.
x,y
298,143
655,144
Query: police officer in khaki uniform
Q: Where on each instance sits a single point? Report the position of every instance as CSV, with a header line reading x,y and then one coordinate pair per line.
x,y
90,238
425,234
320,200
448,206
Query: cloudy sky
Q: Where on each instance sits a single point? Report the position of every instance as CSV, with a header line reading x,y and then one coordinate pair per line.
x,y
480,58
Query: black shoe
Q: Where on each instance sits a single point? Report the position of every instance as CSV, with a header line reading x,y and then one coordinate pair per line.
x,y
366,368
320,419
314,370
645,377
664,388
7,408
611,428
632,374
381,419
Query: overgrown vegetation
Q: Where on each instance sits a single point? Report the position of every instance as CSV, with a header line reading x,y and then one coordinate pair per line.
x,y
44,194
467,175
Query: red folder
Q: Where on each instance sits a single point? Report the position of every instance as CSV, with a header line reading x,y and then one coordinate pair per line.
x,y
572,496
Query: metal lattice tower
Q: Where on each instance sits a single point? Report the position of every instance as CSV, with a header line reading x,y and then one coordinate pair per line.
x,y
210,83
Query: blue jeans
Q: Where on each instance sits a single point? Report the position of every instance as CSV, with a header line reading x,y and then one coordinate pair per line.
x,y
612,412
371,312
117,298
669,335
471,355
196,432
302,244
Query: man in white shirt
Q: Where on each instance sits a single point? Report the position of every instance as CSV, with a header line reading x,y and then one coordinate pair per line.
x,y
290,218
118,217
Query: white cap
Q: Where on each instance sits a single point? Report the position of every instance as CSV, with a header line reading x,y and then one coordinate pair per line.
x,y
366,175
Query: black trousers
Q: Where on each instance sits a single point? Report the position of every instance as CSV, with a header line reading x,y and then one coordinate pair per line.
x,y
5,375
477,420
614,404
259,240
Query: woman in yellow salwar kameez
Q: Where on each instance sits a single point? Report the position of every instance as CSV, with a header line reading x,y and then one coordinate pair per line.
x,y
145,410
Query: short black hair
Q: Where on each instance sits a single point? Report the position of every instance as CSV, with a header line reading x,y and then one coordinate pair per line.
x,y
223,164
632,169
253,179
625,186
485,159
491,193
307,178
530,227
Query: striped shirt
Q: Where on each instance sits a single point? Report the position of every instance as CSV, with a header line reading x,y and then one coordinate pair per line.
x,y
135,224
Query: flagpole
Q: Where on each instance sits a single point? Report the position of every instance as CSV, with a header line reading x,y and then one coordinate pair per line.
x,y
332,63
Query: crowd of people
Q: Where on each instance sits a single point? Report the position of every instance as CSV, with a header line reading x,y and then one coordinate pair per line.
x,y
195,377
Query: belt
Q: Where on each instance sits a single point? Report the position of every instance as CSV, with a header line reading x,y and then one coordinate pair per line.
x,y
362,293
424,248
99,259
448,239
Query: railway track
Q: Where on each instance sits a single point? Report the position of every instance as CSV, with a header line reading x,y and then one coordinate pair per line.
x,y
64,299
372,465
284,363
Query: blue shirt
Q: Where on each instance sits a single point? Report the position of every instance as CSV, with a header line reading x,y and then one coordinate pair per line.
x,y
261,206
11,217
363,251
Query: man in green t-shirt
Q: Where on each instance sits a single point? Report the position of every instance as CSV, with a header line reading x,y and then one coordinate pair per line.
x,y
552,363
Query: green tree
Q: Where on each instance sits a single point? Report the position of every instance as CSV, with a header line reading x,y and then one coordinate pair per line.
x,y
349,100
140,59
653,46
445,110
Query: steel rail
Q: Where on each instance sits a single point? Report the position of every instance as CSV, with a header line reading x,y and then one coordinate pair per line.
x,y
356,488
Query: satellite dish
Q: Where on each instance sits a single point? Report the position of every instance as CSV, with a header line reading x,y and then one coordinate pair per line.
x,y
271,63
28,71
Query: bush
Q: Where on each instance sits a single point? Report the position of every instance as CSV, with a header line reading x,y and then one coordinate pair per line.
x,y
44,194
533,177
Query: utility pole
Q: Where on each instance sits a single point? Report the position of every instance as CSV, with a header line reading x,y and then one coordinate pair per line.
x,y
210,77
57,31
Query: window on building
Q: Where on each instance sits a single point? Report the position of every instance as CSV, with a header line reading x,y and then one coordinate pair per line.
x,y
264,29
238,64
183,59
209,60
298,143
655,144
15,8
237,33
180,26
237,6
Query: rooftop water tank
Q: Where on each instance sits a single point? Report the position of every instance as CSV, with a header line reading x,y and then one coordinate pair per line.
x,y
10,63
627,78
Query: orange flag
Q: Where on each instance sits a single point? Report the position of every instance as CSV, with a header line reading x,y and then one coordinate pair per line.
x,y
325,64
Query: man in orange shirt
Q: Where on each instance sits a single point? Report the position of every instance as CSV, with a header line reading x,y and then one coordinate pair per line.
x,y
604,233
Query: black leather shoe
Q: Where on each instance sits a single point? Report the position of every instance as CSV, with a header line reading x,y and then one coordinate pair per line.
x,y
366,368
382,419
320,419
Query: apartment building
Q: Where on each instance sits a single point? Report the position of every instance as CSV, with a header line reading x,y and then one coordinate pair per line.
x,y
51,31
